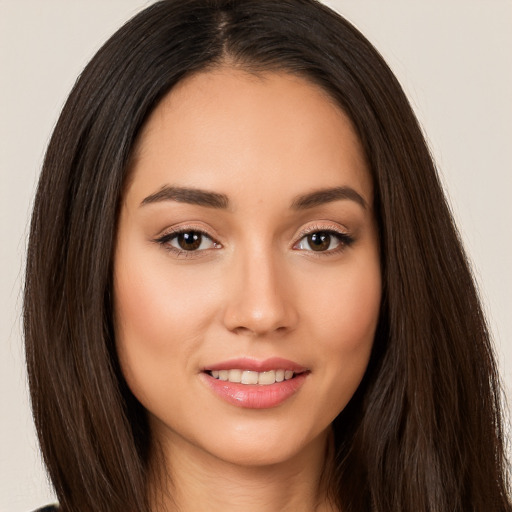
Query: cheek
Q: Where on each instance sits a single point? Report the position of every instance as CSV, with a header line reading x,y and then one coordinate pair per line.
x,y
346,310
343,319
157,302
158,329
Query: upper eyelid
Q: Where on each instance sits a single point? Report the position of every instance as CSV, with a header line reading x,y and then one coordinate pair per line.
x,y
338,233
330,227
183,229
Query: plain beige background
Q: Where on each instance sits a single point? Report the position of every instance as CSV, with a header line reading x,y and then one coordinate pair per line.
x,y
453,57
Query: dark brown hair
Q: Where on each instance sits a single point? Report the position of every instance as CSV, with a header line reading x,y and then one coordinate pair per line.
x,y
422,433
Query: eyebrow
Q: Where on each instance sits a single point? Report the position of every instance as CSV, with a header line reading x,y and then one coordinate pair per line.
x,y
220,201
188,195
327,195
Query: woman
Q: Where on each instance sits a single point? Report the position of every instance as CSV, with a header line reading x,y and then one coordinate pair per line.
x,y
251,292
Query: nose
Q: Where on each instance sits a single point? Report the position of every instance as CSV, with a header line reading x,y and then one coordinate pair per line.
x,y
260,296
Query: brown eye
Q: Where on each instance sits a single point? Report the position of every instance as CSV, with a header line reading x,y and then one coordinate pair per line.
x,y
187,241
319,241
328,241
190,240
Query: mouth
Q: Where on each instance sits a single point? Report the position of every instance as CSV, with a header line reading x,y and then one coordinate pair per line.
x,y
254,384
250,377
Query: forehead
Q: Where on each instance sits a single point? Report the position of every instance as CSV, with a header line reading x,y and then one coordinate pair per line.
x,y
222,128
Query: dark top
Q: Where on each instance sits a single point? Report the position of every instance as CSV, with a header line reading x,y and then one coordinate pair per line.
x,y
49,508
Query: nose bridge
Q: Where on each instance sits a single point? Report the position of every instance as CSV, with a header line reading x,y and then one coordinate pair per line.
x,y
259,300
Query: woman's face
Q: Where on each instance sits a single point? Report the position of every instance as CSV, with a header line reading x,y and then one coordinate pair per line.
x,y
247,250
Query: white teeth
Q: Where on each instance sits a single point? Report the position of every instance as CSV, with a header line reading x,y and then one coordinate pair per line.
x,y
250,377
266,378
235,376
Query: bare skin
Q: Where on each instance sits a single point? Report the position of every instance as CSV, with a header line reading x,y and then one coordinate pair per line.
x,y
246,234
292,486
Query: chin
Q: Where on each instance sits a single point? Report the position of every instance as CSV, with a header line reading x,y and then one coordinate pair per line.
x,y
265,448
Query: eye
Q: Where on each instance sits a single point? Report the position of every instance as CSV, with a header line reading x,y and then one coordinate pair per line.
x,y
323,241
189,240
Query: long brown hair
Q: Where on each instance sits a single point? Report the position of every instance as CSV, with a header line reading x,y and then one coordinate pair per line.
x,y
424,430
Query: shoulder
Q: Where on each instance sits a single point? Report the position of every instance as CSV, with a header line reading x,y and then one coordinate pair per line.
x,y
48,508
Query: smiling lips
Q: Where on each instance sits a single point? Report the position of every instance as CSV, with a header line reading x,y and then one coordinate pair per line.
x,y
255,384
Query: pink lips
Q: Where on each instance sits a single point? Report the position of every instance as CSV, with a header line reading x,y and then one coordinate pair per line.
x,y
244,363
256,396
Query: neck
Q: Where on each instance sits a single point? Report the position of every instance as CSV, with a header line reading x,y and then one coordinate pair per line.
x,y
195,481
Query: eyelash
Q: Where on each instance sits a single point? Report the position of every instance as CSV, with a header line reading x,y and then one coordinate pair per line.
x,y
166,238
345,240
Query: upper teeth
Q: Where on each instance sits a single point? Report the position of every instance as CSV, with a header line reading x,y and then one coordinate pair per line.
x,y
250,377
